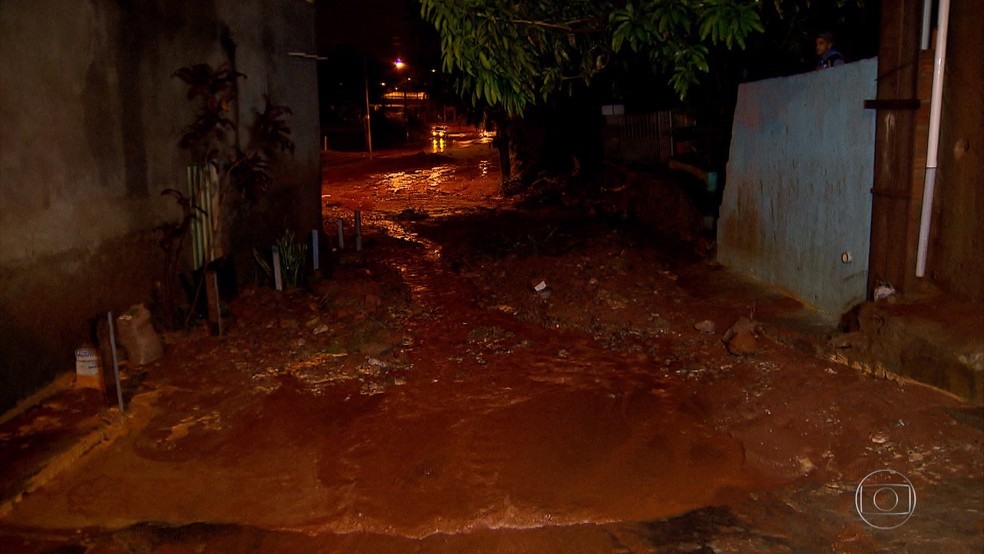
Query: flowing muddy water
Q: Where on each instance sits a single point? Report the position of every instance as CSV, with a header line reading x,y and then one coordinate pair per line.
x,y
425,398
512,425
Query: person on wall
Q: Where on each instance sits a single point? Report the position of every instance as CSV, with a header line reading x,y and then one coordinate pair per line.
x,y
827,55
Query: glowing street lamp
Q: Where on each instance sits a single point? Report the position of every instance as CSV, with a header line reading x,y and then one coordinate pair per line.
x,y
399,65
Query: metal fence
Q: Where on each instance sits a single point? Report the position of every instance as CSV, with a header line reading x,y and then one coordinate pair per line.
x,y
639,138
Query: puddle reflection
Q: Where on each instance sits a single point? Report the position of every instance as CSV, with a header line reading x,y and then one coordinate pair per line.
x,y
416,179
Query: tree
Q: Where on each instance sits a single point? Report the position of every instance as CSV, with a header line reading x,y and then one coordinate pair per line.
x,y
514,54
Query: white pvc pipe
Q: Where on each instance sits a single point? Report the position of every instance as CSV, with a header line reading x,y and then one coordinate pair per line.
x,y
927,13
936,104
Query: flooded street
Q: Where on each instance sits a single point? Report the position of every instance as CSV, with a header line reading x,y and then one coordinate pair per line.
x,y
428,394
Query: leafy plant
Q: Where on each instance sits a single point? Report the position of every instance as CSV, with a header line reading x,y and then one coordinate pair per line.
x,y
515,54
293,257
221,166
539,241
208,136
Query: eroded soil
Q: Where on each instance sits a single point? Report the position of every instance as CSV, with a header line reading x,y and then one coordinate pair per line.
x,y
425,396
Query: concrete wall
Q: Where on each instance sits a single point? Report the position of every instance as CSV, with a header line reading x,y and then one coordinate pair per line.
x,y
90,121
798,186
957,240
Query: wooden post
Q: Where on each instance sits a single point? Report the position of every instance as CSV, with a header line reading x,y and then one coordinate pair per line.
x,y
893,248
358,231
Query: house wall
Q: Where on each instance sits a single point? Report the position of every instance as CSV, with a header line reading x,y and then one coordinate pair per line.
x,y
90,121
799,180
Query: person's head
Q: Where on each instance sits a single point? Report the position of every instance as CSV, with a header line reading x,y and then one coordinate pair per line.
x,y
824,42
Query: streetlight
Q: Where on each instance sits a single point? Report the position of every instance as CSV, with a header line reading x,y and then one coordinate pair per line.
x,y
399,65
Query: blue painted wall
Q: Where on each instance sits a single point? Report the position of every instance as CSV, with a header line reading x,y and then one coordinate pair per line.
x,y
798,187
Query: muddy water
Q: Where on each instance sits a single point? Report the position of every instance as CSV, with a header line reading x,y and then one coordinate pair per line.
x,y
508,424
488,429
526,439
501,424
435,182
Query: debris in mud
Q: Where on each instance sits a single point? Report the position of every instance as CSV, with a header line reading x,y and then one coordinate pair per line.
x,y
740,338
883,292
707,326
538,285
412,214
495,339
879,438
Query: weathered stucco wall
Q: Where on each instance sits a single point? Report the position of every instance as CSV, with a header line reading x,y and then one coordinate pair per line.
x,y
956,256
90,121
799,180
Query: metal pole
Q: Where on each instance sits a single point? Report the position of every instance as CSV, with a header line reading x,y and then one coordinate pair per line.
x,y
314,249
277,279
358,231
116,362
365,73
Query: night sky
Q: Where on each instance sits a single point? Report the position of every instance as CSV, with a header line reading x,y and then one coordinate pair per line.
x,y
383,29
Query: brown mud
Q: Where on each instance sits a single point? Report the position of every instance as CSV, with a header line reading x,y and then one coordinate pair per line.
x,y
424,396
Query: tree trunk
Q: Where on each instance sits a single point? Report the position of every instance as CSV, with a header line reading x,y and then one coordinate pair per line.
x,y
501,143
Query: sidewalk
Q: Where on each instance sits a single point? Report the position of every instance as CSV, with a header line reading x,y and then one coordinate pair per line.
x,y
46,433
928,338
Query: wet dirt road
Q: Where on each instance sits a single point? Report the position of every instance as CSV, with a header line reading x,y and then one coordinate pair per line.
x,y
426,398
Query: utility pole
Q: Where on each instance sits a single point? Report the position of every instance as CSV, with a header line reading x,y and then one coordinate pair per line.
x,y
365,73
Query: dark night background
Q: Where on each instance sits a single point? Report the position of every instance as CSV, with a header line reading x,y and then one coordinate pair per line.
x,y
361,40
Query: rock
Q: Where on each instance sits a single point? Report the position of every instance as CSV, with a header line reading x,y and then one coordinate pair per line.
x,y
660,325
323,328
806,465
740,337
706,326
743,343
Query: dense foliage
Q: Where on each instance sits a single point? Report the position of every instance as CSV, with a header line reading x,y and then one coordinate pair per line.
x,y
514,54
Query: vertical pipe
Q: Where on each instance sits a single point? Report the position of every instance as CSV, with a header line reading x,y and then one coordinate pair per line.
x,y
358,231
218,303
927,13
939,65
341,235
314,248
277,279
116,362
209,215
